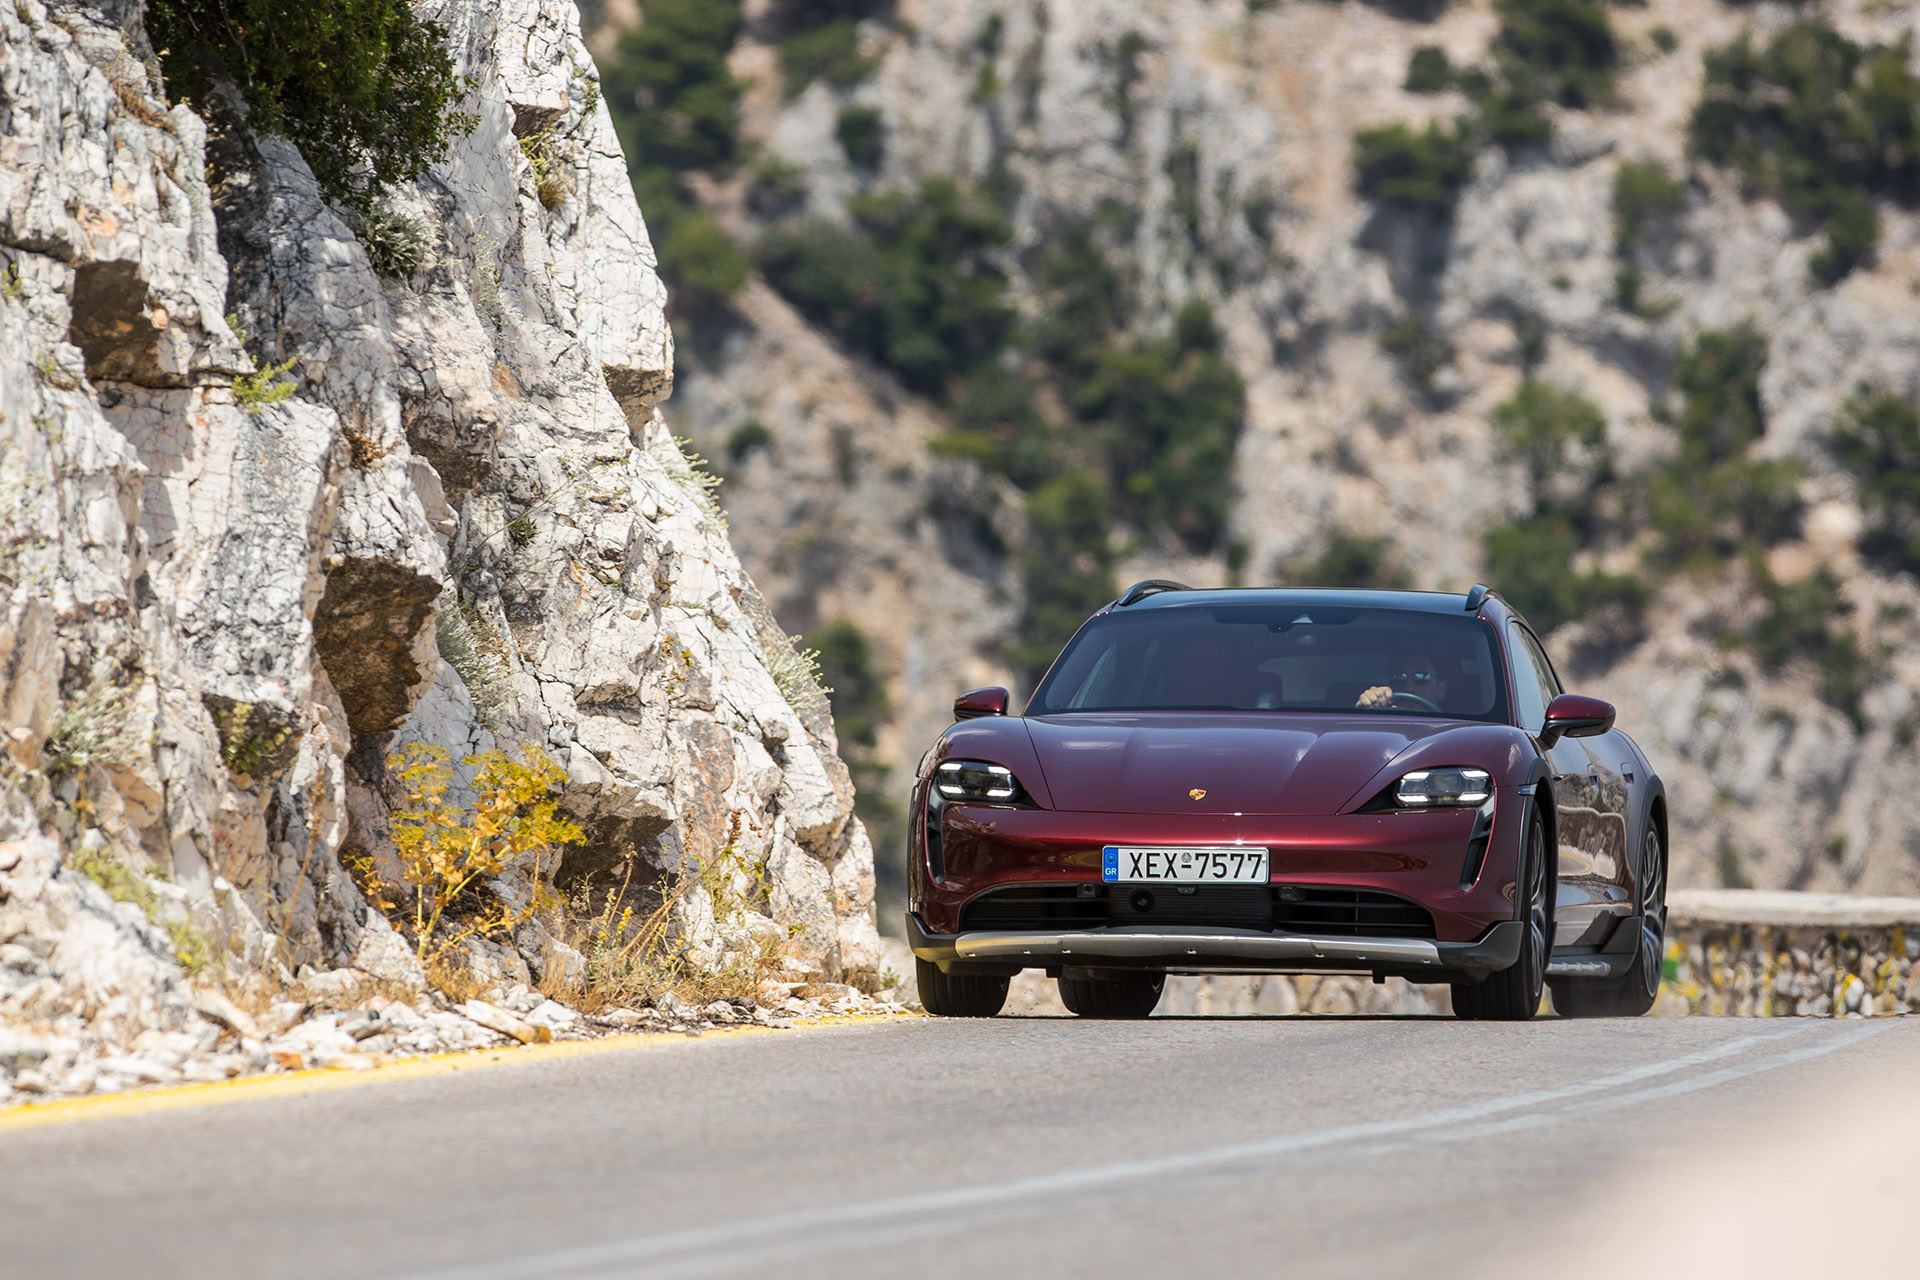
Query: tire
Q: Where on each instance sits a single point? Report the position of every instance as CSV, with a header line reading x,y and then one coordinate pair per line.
x,y
1132,996
958,995
1633,992
1513,994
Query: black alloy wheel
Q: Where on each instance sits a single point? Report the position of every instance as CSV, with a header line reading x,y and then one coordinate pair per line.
x,y
1130,996
1633,992
1513,994
958,995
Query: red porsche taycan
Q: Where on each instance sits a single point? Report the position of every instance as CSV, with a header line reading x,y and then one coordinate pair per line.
x,y
1267,781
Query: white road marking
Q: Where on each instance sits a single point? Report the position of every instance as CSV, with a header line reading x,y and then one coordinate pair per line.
x,y
735,1245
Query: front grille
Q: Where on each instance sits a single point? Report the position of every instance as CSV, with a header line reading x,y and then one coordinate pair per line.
x,y
1031,906
1232,906
1329,912
1349,913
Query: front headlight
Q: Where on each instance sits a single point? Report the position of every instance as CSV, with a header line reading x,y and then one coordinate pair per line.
x,y
1452,785
976,780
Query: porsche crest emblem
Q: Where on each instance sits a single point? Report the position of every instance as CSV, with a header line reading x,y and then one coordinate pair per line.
x,y
1198,793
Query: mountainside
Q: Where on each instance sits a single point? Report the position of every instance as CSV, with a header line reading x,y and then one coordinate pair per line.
x,y
318,459
988,307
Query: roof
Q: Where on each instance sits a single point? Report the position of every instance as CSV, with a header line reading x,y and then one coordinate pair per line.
x,y
1419,601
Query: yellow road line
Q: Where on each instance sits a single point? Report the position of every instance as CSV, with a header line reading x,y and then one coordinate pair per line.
x,y
322,1079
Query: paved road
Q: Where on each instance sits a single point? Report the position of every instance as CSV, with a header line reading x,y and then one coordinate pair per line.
x,y
1036,1146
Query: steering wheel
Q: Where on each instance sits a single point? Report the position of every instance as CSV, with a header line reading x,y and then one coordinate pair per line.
x,y
1401,696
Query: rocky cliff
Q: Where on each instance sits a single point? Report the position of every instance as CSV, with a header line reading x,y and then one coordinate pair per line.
x,y
1207,150
286,486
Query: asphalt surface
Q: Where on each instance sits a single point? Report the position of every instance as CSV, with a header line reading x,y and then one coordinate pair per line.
x,y
1032,1146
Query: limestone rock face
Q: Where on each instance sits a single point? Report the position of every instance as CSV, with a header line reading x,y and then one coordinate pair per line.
x,y
1212,145
218,616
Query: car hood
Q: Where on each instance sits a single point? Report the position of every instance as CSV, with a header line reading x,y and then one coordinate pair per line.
x,y
1270,763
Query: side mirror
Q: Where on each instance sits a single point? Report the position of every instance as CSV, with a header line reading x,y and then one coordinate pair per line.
x,y
980,702
1572,715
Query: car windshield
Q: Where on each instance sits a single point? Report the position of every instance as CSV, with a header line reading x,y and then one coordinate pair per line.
x,y
1278,658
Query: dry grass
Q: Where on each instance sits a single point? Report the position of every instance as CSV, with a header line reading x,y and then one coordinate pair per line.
x,y
633,958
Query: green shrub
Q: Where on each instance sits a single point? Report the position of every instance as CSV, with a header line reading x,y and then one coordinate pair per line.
x,y
1416,170
1169,413
1719,375
701,262
999,426
1819,122
1080,303
1531,561
1348,560
1878,441
364,88
676,108
1715,500
912,286
1852,230
1559,51
1066,568
862,136
745,438
778,187
1643,194
1806,620
1663,38
860,707
820,39
1540,421
859,692
676,104
1428,70
1422,352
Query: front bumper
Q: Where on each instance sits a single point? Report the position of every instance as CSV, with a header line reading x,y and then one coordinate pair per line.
x,y
1205,949
1425,858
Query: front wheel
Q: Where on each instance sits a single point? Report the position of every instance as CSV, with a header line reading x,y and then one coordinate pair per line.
x,y
1633,992
1131,996
1513,994
958,995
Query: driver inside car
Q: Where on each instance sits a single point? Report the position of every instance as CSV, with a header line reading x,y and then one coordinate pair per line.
x,y
1411,673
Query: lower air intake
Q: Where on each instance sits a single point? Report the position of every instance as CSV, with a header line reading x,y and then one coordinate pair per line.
x,y
1348,913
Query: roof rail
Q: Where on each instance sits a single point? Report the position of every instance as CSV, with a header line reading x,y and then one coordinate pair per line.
x,y
1477,595
1152,586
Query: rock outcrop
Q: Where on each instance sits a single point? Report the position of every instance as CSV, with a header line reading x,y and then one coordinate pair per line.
x,y
223,610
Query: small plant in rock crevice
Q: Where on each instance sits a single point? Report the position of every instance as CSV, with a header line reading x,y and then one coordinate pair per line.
x,y
52,372
397,245
550,158
248,739
796,673
477,654
91,731
255,391
123,884
691,472
10,286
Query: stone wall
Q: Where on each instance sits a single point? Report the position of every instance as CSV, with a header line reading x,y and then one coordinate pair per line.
x,y
1751,953
1730,953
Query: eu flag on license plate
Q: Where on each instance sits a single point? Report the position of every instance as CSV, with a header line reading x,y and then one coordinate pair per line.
x,y
1110,862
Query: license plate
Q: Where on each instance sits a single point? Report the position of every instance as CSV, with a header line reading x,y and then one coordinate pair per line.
x,y
1236,864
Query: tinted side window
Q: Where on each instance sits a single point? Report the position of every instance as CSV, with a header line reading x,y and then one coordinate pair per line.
x,y
1533,681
